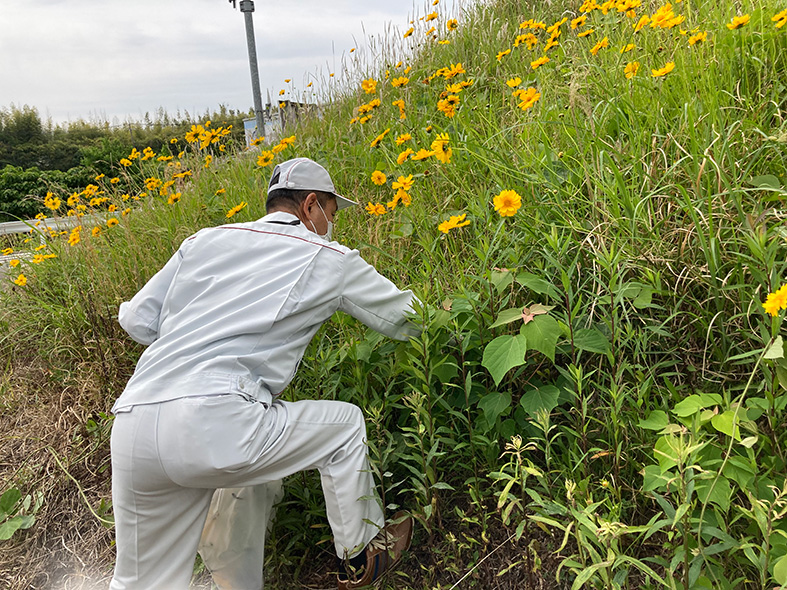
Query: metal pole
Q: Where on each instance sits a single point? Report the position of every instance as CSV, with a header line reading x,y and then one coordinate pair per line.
x,y
247,7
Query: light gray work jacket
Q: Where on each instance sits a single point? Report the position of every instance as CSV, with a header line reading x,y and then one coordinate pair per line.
x,y
235,307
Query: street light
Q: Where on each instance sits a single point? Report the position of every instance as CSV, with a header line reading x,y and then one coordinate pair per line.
x,y
247,7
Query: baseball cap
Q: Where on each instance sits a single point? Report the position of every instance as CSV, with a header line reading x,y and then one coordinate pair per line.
x,y
305,174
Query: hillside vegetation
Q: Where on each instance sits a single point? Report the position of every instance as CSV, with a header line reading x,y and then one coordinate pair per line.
x,y
589,199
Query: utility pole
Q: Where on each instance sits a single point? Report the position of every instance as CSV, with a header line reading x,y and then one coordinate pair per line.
x,y
247,8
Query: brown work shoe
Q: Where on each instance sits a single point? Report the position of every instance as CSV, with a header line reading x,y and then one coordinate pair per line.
x,y
382,552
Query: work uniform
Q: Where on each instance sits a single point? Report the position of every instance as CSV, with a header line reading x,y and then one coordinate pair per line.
x,y
227,321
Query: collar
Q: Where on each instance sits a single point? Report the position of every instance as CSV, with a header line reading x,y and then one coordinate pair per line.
x,y
280,217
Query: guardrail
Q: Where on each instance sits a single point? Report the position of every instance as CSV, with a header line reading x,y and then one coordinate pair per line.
x,y
55,223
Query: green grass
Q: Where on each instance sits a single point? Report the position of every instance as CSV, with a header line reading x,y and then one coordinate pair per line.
x,y
651,229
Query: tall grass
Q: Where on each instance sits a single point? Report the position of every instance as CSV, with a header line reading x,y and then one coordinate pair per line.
x,y
651,449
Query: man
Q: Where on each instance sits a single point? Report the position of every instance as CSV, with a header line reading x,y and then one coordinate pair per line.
x,y
227,321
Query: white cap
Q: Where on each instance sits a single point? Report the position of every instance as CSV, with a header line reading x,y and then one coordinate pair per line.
x,y
305,174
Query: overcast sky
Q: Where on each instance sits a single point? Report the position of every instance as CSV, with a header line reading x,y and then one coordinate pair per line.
x,y
118,59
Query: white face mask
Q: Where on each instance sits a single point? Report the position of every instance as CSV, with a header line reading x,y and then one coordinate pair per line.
x,y
329,232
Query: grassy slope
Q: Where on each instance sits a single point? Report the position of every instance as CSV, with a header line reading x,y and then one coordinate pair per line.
x,y
646,221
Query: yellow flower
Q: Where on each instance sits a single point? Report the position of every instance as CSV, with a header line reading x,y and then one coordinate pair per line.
x,y
21,280
279,147
514,82
431,16
112,222
776,301
641,23
115,180
399,82
528,98
430,31
404,183
378,178
440,148
208,160
738,21
631,69
173,198
663,71
600,45
401,196
369,85
221,191
402,138
780,19
453,222
502,54
100,176
375,208
74,236
422,154
125,162
698,38
402,157
236,209
126,211
627,48
579,21
539,62
409,32
507,203
447,106
586,32
96,231
452,24
14,263
376,141
174,140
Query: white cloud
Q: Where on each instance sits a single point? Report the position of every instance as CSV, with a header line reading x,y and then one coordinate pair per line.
x,y
74,58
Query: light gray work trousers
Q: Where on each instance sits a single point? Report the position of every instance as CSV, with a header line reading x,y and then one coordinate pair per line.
x,y
169,458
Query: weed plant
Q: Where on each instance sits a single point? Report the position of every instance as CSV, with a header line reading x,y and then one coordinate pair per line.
x,y
598,393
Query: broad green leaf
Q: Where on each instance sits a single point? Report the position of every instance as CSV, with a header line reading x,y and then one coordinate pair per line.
x,y
694,403
9,499
9,527
542,335
780,570
591,340
657,420
543,398
537,285
740,471
749,441
776,350
644,299
720,495
665,453
781,373
503,354
765,181
501,279
727,424
507,316
494,405
653,478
